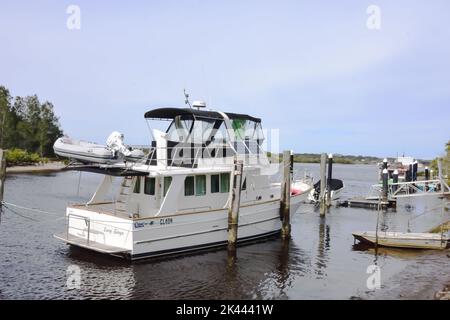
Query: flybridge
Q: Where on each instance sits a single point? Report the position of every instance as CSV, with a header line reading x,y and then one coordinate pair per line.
x,y
193,138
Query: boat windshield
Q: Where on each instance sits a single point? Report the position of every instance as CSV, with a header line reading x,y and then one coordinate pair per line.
x,y
247,129
205,130
179,129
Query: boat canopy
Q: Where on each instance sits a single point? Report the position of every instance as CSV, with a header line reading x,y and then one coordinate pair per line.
x,y
187,113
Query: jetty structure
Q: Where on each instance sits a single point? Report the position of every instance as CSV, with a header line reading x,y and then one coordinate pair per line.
x,y
399,180
422,240
204,182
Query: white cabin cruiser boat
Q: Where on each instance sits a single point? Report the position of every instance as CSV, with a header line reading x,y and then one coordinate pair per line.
x,y
176,198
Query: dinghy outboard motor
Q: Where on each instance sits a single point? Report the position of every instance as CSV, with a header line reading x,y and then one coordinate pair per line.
x,y
115,143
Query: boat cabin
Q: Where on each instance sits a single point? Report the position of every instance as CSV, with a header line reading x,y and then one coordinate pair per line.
x,y
188,168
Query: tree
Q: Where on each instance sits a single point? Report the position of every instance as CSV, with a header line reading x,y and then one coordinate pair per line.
x,y
5,105
27,124
445,161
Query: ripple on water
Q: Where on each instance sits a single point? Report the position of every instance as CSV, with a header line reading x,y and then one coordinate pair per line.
x,y
320,261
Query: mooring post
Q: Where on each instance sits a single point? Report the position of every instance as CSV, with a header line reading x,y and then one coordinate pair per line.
x,y
329,178
233,210
285,204
427,177
2,177
2,173
441,179
395,180
323,183
385,185
415,168
385,163
292,165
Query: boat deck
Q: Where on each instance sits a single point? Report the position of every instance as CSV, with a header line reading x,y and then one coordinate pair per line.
x,y
92,245
109,208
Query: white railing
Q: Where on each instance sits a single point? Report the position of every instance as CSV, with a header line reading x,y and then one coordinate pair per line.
x,y
215,152
411,188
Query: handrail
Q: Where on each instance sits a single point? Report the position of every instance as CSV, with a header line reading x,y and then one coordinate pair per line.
x,y
151,157
88,221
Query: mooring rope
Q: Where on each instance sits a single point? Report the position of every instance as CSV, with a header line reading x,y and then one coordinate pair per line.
x,y
16,213
7,206
28,208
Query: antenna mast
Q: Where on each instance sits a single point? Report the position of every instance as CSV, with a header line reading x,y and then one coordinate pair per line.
x,y
186,100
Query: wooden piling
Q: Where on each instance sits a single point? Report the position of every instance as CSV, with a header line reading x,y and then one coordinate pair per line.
x,y
2,173
427,174
330,176
2,177
385,176
415,169
233,210
441,179
385,163
395,180
285,203
323,184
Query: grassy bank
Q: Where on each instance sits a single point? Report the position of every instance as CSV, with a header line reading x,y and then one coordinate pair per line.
x,y
48,167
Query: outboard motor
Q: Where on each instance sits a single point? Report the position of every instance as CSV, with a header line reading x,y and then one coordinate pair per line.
x,y
115,143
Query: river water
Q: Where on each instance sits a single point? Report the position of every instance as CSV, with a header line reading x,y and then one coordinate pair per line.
x,y
321,260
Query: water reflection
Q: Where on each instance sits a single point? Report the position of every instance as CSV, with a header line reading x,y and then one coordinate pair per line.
x,y
323,247
33,265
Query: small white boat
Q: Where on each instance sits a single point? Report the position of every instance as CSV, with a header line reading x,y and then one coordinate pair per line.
x,y
336,188
83,151
88,152
404,239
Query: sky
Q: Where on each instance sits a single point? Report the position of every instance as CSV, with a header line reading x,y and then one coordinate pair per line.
x,y
312,69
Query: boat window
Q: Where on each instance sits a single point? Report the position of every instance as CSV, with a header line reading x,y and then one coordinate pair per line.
x,y
225,182
221,135
246,129
149,186
239,127
259,134
202,130
178,130
189,186
137,185
200,185
167,182
215,183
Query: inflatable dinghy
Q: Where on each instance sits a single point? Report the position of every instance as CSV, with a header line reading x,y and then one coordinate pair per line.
x,y
88,152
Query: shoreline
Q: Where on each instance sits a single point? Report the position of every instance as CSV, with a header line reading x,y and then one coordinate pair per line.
x,y
38,168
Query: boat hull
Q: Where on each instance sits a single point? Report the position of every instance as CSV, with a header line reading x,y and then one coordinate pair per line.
x,y
171,234
403,240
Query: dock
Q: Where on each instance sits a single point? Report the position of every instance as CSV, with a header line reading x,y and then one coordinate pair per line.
x,y
367,203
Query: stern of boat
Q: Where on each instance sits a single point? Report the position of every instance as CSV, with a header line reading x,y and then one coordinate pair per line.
x,y
97,231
